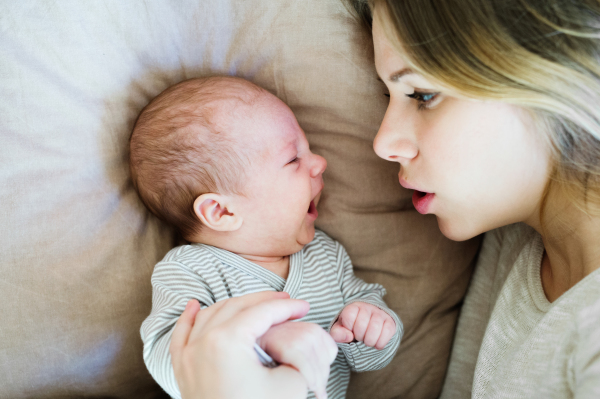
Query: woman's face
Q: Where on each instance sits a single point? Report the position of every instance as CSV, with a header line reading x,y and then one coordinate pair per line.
x,y
476,165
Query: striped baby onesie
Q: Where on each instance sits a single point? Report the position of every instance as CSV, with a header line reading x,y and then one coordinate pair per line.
x,y
321,273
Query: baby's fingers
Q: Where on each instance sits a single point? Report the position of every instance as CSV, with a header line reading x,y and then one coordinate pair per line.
x,y
287,379
387,332
374,329
326,355
319,382
321,395
306,347
361,324
341,334
315,362
348,316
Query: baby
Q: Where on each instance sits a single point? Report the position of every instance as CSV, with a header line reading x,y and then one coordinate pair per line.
x,y
227,164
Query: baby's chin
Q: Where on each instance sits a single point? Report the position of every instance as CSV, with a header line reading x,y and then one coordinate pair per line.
x,y
309,233
290,242
288,249
302,238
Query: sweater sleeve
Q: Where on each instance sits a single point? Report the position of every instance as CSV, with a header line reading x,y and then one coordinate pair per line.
x,y
584,376
473,321
360,357
474,318
173,285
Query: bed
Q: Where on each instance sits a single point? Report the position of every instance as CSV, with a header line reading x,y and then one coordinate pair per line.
x,y
78,247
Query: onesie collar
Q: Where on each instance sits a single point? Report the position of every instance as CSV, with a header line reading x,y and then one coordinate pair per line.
x,y
291,285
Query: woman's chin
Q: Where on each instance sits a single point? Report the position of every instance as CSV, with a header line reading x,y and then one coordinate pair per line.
x,y
456,231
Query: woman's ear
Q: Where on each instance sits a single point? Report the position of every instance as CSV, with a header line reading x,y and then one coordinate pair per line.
x,y
215,211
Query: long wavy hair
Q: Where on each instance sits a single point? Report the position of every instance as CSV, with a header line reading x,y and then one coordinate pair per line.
x,y
541,55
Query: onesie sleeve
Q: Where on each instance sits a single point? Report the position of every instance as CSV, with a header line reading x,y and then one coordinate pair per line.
x,y
173,285
360,357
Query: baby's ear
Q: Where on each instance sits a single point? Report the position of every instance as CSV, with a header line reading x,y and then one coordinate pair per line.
x,y
216,212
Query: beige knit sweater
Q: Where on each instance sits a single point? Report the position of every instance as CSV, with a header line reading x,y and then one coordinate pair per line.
x,y
510,341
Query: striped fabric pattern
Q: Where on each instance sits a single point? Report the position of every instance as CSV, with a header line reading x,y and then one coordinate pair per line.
x,y
321,273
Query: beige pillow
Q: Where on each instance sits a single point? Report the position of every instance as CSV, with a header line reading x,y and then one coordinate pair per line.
x,y
78,247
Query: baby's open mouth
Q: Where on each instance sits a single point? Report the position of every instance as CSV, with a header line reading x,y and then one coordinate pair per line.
x,y
420,194
312,208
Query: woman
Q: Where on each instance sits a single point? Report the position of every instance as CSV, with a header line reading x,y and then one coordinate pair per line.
x,y
494,120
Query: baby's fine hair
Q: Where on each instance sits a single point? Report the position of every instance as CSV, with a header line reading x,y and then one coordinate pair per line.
x,y
179,149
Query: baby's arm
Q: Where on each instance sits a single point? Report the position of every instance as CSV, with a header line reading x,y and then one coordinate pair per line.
x,y
291,343
173,285
363,304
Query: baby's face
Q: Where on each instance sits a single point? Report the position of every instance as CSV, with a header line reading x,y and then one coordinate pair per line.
x,y
284,181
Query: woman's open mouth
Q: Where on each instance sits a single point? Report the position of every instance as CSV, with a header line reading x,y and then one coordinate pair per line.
x,y
421,201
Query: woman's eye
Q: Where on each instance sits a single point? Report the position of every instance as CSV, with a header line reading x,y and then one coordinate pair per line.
x,y
387,95
423,99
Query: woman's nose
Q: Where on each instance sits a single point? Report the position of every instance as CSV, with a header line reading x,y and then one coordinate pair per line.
x,y
394,141
319,165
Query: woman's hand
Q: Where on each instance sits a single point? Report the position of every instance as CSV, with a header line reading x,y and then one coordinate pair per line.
x,y
213,349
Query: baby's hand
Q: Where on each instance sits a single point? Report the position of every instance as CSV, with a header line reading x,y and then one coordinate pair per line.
x,y
304,346
363,322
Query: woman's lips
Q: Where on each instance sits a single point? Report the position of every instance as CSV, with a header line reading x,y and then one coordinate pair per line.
x,y
421,201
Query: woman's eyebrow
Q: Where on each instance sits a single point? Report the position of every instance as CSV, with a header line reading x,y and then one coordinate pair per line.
x,y
394,77
397,75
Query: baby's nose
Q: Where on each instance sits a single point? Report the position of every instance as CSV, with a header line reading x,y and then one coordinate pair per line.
x,y
319,165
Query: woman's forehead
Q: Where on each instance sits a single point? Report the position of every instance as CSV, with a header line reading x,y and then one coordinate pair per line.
x,y
391,61
392,65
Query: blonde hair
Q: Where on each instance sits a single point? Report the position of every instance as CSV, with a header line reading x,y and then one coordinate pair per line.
x,y
178,151
541,55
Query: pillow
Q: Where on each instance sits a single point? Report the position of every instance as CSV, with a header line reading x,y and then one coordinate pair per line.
x,y
79,248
